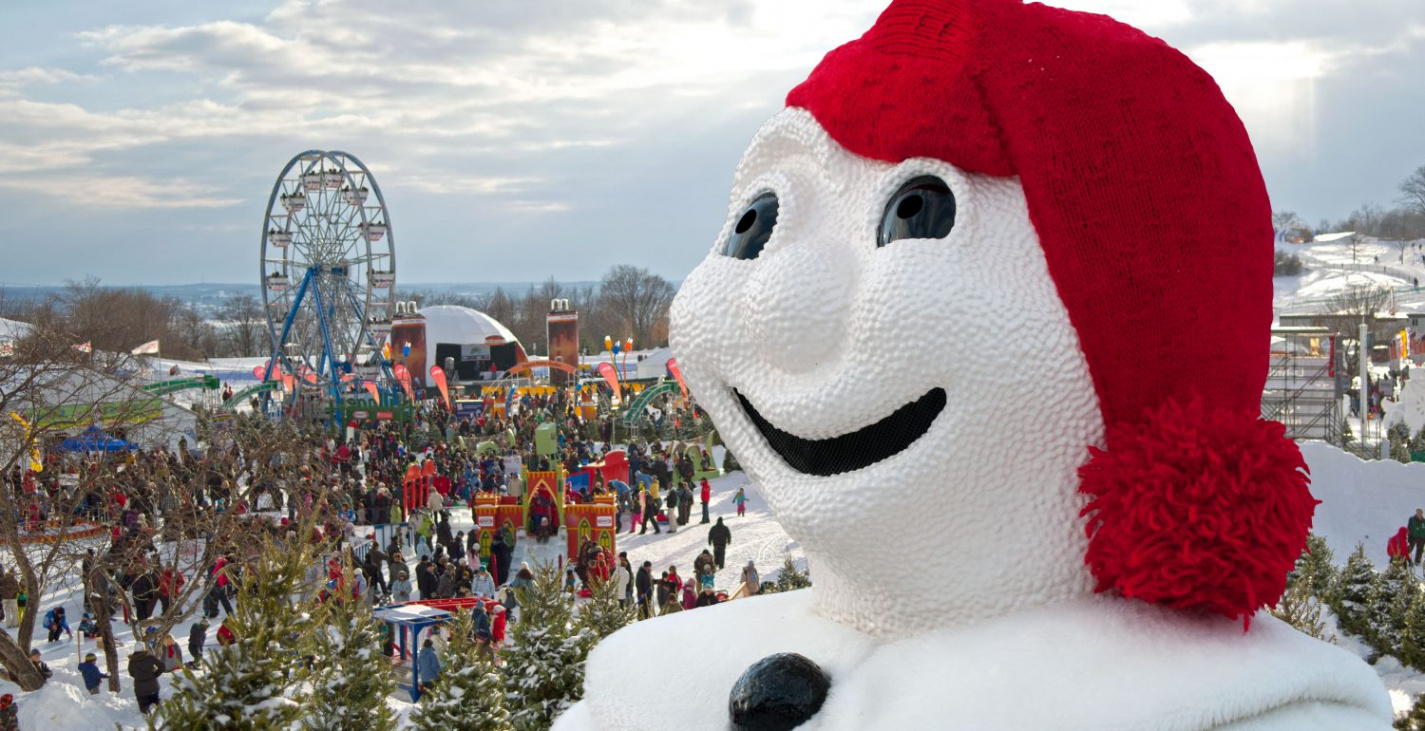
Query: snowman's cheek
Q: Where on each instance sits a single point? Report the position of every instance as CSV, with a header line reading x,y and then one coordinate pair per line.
x,y
704,330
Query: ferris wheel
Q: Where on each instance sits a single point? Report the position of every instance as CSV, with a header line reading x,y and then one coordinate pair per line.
x,y
328,275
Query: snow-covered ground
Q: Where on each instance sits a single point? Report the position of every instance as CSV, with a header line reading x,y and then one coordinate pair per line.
x,y
1331,268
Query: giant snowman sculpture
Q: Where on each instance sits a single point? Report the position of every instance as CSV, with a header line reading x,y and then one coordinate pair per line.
x,y
988,323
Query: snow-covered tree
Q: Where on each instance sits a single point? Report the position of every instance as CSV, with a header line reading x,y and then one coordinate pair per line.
x,y
1411,652
351,679
470,695
544,669
254,684
1388,601
1353,592
790,578
1315,569
1414,719
604,613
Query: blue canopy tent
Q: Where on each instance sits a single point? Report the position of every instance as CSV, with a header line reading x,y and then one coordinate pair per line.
x,y
94,440
410,620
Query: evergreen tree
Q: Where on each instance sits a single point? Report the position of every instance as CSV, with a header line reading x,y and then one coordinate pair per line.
x,y
729,462
1301,610
1315,567
352,678
544,670
254,684
1351,598
604,613
1412,640
470,695
1398,435
1414,719
1388,601
791,579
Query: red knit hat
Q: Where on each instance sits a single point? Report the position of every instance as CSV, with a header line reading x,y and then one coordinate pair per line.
x,y
1145,193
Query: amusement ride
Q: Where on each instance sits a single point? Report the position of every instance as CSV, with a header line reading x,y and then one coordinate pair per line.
x,y
328,275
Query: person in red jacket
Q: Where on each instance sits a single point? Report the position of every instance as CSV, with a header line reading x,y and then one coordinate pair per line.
x,y
497,625
600,567
170,582
707,495
225,634
1398,547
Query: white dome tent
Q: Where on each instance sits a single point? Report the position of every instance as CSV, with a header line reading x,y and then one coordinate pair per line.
x,y
472,337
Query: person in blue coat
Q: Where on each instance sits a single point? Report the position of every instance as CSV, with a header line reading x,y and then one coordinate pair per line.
x,y
427,665
56,623
92,674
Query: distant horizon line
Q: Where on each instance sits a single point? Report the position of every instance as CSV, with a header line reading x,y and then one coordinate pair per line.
x,y
102,283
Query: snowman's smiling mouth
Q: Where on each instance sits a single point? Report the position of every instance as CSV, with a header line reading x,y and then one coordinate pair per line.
x,y
861,448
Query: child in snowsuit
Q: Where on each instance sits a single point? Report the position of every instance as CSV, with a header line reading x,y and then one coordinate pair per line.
x,y
91,673
740,499
197,636
88,628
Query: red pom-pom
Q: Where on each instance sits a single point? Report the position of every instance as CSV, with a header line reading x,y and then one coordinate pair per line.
x,y
1197,510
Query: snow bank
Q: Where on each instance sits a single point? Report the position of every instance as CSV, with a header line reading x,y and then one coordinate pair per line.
x,y
1410,408
64,705
1361,501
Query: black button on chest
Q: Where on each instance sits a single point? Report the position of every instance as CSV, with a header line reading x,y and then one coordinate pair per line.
x,y
777,693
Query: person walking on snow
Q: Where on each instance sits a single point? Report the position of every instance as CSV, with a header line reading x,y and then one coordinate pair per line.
x,y
428,665
750,580
740,500
707,494
144,668
719,536
197,637
1416,534
9,594
91,673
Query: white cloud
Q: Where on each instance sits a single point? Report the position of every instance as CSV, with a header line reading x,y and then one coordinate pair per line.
x,y
122,191
551,106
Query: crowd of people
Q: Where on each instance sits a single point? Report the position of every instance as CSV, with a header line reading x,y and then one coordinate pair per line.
x,y
214,502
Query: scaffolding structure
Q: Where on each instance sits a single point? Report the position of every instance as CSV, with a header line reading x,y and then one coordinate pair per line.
x,y
1305,383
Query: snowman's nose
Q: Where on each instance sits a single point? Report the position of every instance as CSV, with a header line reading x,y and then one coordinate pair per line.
x,y
794,307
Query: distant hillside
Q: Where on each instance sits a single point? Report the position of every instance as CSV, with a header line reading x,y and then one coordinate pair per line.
x,y
208,297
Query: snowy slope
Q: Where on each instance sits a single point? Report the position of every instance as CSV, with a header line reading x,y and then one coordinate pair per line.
x,y
1361,501
1332,269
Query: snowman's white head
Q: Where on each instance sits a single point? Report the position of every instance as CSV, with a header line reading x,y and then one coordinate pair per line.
x,y
871,341
987,322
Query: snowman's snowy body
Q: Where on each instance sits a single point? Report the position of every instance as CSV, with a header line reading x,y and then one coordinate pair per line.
x,y
950,586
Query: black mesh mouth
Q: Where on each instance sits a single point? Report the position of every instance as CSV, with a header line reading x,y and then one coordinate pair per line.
x,y
861,448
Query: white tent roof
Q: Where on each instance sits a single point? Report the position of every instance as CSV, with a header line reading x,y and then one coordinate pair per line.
x,y
13,329
461,325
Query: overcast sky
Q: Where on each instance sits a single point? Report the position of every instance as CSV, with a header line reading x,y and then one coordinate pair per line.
x,y
520,139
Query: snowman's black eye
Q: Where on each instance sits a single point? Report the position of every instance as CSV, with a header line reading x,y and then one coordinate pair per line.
x,y
753,228
923,208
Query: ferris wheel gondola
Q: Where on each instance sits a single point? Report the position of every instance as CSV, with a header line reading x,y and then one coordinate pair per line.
x,y
328,274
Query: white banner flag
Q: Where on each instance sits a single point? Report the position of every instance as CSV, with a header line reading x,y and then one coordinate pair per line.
x,y
149,348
